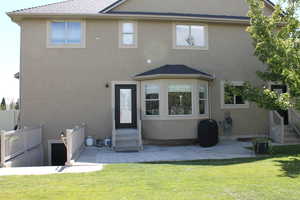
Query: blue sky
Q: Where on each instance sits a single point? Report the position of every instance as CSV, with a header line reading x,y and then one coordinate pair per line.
x,y
10,46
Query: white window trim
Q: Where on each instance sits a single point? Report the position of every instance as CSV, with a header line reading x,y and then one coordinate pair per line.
x,y
204,99
163,99
232,106
190,47
83,35
145,100
193,100
135,39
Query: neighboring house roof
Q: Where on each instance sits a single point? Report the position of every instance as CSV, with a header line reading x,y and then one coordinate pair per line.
x,y
82,7
173,71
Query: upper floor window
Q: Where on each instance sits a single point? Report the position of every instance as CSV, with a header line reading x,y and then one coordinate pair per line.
x,y
128,35
230,100
66,34
190,36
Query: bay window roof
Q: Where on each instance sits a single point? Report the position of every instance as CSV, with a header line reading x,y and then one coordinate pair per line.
x,y
174,71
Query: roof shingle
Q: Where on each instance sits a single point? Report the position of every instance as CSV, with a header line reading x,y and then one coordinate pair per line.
x,y
175,70
77,7
69,7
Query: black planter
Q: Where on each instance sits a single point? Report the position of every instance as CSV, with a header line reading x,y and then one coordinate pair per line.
x,y
261,147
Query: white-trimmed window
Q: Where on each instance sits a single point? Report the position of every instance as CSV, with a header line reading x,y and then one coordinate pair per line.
x,y
152,99
230,100
128,34
180,99
203,99
190,36
171,99
66,34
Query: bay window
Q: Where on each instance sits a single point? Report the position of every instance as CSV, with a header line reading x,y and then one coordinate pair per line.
x,y
175,99
180,99
151,99
203,100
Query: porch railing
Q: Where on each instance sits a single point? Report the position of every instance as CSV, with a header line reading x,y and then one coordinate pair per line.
x,y
74,141
295,120
21,148
276,127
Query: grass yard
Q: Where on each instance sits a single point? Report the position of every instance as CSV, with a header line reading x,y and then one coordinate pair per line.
x,y
265,178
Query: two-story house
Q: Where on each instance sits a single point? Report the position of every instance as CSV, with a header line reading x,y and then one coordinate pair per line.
x,y
148,67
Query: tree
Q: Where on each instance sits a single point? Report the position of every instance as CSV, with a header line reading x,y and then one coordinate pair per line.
x,y
277,45
3,104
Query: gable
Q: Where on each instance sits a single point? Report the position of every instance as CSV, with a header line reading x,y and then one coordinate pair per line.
x,y
210,7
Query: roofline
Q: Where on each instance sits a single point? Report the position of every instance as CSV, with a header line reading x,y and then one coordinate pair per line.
x,y
170,76
16,17
179,15
112,6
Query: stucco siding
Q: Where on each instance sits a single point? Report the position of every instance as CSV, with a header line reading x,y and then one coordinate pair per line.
x,y
63,87
212,7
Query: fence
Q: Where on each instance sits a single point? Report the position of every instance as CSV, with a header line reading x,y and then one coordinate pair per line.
x,y
22,147
74,142
8,119
295,120
276,127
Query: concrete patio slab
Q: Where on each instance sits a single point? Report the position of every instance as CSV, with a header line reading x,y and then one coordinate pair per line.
x,y
224,150
48,170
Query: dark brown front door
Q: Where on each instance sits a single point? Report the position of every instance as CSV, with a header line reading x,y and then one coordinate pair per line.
x,y
284,113
125,106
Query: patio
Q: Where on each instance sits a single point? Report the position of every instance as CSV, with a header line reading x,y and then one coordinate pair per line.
x,y
226,149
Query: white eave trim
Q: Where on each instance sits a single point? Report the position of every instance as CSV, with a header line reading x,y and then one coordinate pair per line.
x,y
19,16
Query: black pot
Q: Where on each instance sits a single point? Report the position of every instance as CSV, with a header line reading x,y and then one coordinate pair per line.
x,y
261,148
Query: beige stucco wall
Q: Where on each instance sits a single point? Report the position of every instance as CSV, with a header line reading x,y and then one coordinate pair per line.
x,y
212,7
63,87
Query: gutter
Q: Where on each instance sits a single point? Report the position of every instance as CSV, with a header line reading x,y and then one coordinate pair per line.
x,y
17,17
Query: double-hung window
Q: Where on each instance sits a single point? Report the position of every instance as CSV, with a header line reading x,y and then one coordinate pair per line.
x,y
203,99
66,34
190,36
128,35
152,99
230,100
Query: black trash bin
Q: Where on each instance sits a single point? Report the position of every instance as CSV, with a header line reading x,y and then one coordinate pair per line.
x,y
208,133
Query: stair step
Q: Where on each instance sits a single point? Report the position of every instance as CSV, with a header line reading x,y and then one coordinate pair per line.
x,y
127,143
127,149
126,138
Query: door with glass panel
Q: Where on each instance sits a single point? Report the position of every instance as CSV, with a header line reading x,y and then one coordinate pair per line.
x,y
125,106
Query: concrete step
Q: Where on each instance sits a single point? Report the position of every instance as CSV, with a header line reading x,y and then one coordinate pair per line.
x,y
127,132
127,149
125,143
127,140
292,139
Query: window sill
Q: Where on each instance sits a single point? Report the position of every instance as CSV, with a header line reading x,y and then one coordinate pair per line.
x,y
190,48
128,47
245,106
179,117
72,46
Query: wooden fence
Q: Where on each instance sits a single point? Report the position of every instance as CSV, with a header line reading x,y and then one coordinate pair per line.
x,y
22,147
74,142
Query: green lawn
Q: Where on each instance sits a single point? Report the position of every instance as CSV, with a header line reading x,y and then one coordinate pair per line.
x,y
276,177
